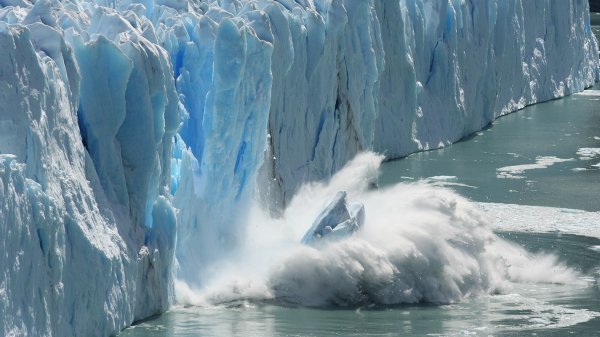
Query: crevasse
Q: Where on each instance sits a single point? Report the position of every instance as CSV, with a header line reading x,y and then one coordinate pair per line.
x,y
113,114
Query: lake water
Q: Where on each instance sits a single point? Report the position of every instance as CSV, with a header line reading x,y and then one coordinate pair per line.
x,y
546,155
537,174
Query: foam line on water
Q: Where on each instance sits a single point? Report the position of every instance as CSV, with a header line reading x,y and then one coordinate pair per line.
x,y
539,219
515,171
589,93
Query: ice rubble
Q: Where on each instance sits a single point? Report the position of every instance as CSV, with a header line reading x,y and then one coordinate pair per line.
x,y
112,112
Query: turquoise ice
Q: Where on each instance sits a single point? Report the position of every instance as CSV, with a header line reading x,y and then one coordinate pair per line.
x,y
135,135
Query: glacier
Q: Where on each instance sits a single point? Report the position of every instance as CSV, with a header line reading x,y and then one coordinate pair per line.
x,y
136,135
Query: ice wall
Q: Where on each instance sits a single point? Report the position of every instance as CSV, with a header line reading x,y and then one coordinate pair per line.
x,y
113,112
466,63
88,111
404,76
333,78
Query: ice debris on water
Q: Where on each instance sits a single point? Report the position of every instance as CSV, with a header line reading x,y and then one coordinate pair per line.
x,y
337,220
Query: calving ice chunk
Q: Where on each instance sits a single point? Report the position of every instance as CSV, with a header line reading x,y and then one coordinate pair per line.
x,y
337,220
94,94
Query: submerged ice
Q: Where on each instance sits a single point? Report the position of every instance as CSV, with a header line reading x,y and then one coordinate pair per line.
x,y
136,137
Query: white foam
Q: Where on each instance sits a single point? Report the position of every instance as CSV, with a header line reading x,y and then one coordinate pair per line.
x,y
444,181
419,244
588,153
538,219
589,93
515,171
541,314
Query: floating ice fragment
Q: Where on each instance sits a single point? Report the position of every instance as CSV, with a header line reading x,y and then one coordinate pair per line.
x,y
539,219
444,181
589,93
588,153
336,221
514,172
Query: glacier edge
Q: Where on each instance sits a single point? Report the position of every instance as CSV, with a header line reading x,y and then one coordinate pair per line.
x,y
136,132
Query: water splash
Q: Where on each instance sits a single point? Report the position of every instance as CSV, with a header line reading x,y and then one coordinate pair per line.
x,y
419,243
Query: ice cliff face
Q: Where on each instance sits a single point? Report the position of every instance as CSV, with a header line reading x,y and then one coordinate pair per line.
x,y
86,127
112,113
345,76
403,76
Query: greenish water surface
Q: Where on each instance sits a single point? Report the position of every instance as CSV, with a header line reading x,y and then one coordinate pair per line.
x,y
549,142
